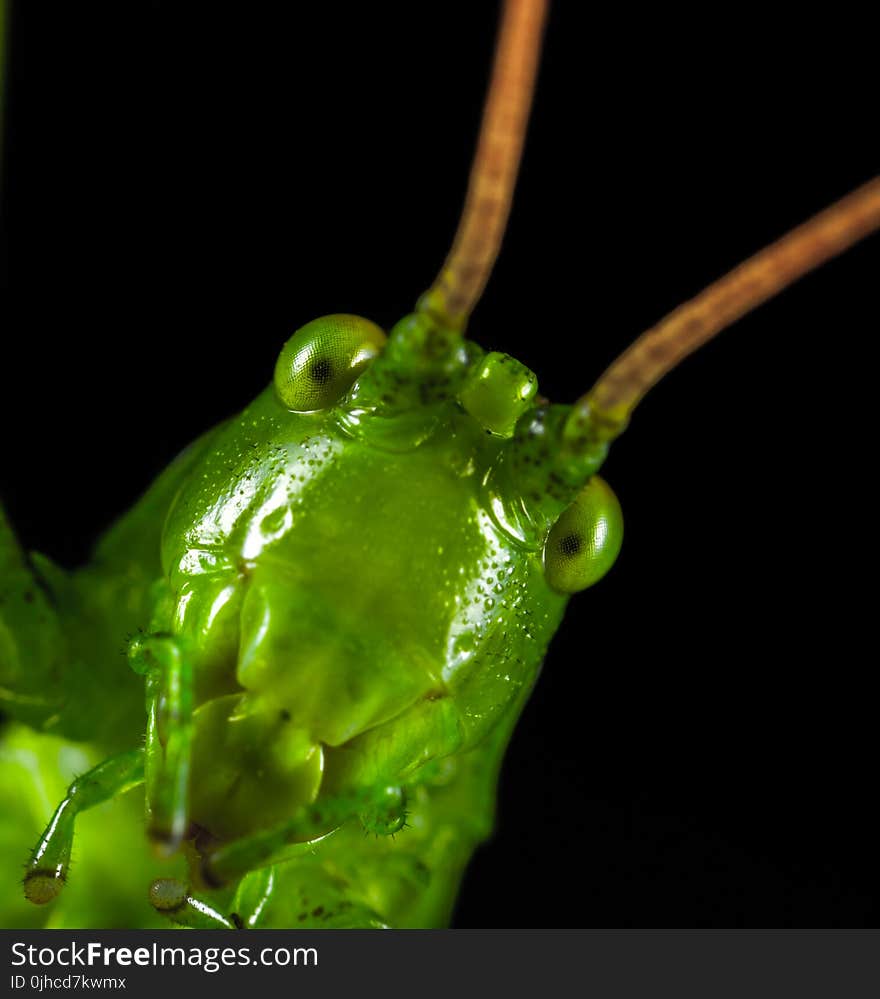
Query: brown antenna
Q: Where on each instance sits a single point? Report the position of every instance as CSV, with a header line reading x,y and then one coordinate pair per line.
x,y
458,286
608,405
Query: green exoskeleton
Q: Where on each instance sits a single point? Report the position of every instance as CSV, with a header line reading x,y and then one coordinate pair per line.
x,y
335,605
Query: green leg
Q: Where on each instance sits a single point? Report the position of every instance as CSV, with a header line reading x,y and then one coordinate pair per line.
x,y
254,893
172,898
169,683
47,869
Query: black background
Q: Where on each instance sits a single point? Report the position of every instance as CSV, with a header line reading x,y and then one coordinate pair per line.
x,y
185,184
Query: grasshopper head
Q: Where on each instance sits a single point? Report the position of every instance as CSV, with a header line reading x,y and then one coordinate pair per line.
x,y
371,561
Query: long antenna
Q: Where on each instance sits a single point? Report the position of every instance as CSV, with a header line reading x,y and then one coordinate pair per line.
x,y
458,286
608,405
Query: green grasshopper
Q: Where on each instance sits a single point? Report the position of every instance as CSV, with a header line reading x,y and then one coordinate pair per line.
x,y
337,602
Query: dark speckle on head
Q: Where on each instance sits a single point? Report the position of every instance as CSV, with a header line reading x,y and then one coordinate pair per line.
x,y
570,544
321,370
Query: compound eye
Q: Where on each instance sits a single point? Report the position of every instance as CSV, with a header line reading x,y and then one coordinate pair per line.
x,y
584,543
320,362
